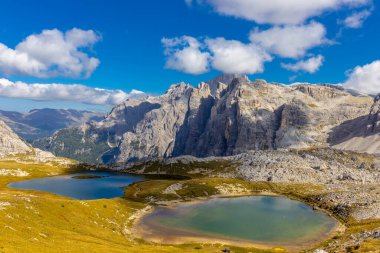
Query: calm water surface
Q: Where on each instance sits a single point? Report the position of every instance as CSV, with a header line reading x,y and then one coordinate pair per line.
x,y
110,185
264,220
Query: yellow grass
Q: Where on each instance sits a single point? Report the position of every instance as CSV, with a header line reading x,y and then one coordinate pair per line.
x,y
33,221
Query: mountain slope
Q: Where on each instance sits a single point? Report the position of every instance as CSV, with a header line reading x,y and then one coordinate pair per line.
x,y
361,134
10,143
40,123
213,119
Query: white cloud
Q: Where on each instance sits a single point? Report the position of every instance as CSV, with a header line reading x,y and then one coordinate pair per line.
x,y
280,11
184,54
290,41
51,53
357,19
234,57
310,65
64,92
365,78
195,56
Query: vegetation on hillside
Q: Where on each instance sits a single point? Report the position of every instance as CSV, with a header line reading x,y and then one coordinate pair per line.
x,y
34,221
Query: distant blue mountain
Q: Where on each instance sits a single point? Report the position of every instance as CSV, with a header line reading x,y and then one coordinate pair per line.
x,y
39,123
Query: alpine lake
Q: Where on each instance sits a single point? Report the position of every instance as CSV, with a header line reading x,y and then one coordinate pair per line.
x,y
247,220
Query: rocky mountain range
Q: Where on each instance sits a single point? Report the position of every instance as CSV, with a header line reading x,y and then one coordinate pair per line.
x,y
39,123
225,116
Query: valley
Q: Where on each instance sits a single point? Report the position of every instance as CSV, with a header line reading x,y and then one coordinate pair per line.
x,y
190,126
284,146
110,223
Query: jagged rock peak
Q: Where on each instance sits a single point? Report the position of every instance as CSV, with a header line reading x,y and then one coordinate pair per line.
x,y
221,82
227,78
224,116
177,87
203,86
237,82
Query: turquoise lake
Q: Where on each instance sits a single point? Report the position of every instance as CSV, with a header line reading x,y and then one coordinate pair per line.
x,y
107,185
257,219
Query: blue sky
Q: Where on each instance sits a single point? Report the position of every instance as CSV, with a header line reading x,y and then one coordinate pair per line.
x,y
128,52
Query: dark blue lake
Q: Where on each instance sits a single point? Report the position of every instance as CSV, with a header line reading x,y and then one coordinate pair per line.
x,y
102,185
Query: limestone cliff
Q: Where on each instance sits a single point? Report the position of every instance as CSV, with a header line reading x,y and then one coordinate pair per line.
x,y
224,116
10,143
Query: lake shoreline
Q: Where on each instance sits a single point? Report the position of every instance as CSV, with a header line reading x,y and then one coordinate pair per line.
x,y
157,234
90,185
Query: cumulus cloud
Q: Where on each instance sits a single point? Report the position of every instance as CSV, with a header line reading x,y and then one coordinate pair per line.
x,y
51,53
64,92
279,11
234,57
193,56
197,56
290,41
310,65
357,19
184,54
365,78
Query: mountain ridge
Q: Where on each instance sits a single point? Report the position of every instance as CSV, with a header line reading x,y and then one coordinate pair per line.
x,y
213,119
38,123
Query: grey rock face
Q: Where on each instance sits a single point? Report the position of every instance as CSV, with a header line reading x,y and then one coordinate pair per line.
x,y
361,134
214,119
220,83
10,143
374,116
198,112
155,134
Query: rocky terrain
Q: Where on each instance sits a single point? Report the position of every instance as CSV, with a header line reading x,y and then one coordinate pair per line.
x,y
10,143
40,123
225,116
351,178
343,183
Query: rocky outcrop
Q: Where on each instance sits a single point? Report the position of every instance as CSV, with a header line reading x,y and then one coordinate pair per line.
x,y
260,116
135,129
220,83
155,135
198,112
13,148
374,116
10,143
213,119
361,134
